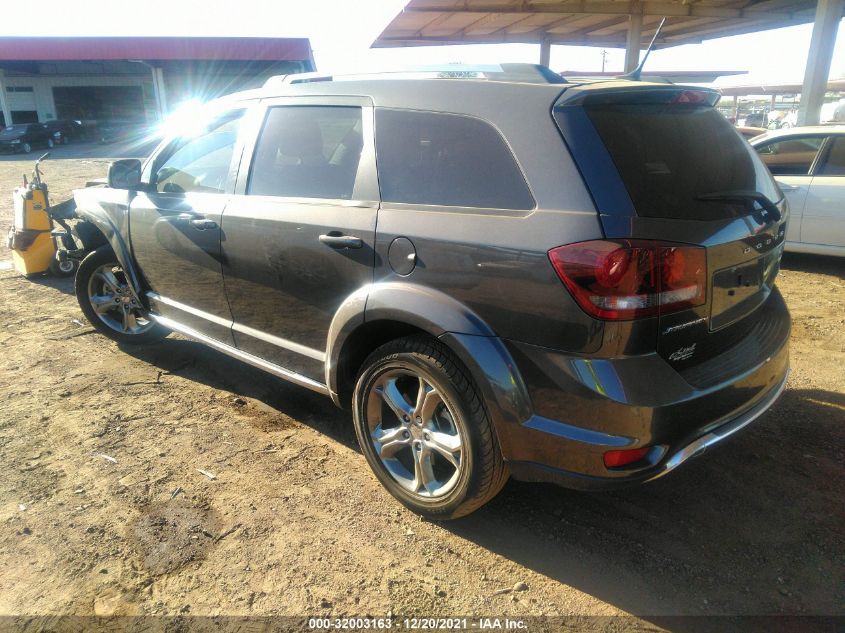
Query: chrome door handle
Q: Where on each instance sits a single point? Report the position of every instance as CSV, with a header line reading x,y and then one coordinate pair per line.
x,y
339,241
784,187
203,224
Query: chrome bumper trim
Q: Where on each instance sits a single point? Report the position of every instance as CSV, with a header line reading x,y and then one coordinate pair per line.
x,y
722,432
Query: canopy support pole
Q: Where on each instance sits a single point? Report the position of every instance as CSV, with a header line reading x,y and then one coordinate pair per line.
x,y
828,15
634,37
545,52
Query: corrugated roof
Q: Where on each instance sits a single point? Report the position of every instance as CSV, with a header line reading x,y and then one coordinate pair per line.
x,y
585,22
154,48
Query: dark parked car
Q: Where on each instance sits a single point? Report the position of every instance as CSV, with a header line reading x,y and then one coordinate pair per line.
x,y
22,137
68,130
551,281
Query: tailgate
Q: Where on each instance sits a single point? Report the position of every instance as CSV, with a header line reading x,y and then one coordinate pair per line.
x,y
663,164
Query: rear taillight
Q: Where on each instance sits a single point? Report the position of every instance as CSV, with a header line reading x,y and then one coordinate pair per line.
x,y
698,97
620,280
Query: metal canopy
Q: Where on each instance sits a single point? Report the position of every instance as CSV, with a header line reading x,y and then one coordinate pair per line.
x,y
586,22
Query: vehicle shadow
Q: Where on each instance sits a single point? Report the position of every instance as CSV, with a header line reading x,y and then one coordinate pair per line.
x,y
205,365
755,528
62,284
816,264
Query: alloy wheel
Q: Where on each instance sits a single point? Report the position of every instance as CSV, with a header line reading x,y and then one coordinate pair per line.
x,y
413,433
114,303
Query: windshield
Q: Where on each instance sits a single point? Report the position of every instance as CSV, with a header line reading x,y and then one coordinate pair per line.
x,y
670,155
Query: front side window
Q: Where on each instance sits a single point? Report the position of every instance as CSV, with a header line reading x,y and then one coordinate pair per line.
x,y
430,158
307,152
200,163
791,156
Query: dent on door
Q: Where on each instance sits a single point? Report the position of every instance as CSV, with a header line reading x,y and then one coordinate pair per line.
x,y
176,239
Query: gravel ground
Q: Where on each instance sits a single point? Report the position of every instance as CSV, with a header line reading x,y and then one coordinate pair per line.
x,y
104,510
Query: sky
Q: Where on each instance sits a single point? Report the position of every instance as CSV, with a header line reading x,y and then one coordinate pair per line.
x,y
341,32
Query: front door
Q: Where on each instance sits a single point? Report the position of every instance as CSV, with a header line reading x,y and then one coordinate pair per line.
x,y
299,235
824,211
175,226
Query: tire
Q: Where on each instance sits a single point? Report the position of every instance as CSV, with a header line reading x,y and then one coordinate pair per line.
x,y
50,143
451,445
26,148
63,269
100,282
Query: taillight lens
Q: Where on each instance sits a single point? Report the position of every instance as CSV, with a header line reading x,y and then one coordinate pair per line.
x,y
621,280
693,96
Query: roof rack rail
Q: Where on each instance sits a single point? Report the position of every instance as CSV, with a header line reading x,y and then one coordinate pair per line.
x,y
514,72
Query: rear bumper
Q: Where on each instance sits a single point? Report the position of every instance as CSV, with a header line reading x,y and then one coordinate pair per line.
x,y
532,471
584,407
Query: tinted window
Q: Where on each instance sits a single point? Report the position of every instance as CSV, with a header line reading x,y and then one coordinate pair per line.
x,y
307,152
670,154
792,156
835,163
201,162
442,159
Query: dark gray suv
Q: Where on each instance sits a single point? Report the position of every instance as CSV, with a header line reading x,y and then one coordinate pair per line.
x,y
565,282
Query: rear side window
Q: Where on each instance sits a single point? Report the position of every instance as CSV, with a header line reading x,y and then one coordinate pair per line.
x,y
792,156
670,154
428,158
307,152
835,163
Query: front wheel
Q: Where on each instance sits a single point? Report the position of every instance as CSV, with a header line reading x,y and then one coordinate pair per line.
x,y
26,148
424,430
108,303
50,143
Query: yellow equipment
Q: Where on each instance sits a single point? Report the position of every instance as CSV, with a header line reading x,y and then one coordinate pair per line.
x,y
33,249
31,239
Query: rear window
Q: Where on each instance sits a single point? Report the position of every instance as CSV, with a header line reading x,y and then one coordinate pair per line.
x,y
447,160
669,154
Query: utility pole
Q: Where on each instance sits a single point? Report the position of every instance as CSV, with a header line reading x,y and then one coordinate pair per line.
x,y
603,59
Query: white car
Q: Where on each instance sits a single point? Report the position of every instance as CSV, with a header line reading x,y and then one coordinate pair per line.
x,y
809,165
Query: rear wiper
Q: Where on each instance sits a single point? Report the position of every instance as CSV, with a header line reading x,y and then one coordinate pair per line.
x,y
769,207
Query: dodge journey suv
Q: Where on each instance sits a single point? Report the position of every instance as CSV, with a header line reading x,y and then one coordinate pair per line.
x,y
499,276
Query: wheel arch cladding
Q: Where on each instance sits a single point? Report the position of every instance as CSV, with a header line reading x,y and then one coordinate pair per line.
x,y
379,313
108,210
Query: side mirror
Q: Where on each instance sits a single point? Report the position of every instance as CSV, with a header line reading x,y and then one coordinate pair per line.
x,y
125,174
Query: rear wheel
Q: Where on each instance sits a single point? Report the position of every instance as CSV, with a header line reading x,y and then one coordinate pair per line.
x,y
424,430
26,148
108,303
50,143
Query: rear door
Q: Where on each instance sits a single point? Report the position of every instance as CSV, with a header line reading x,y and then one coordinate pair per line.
x,y
663,164
791,159
298,237
175,224
824,212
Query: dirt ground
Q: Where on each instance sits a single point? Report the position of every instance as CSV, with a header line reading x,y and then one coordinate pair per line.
x,y
104,508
